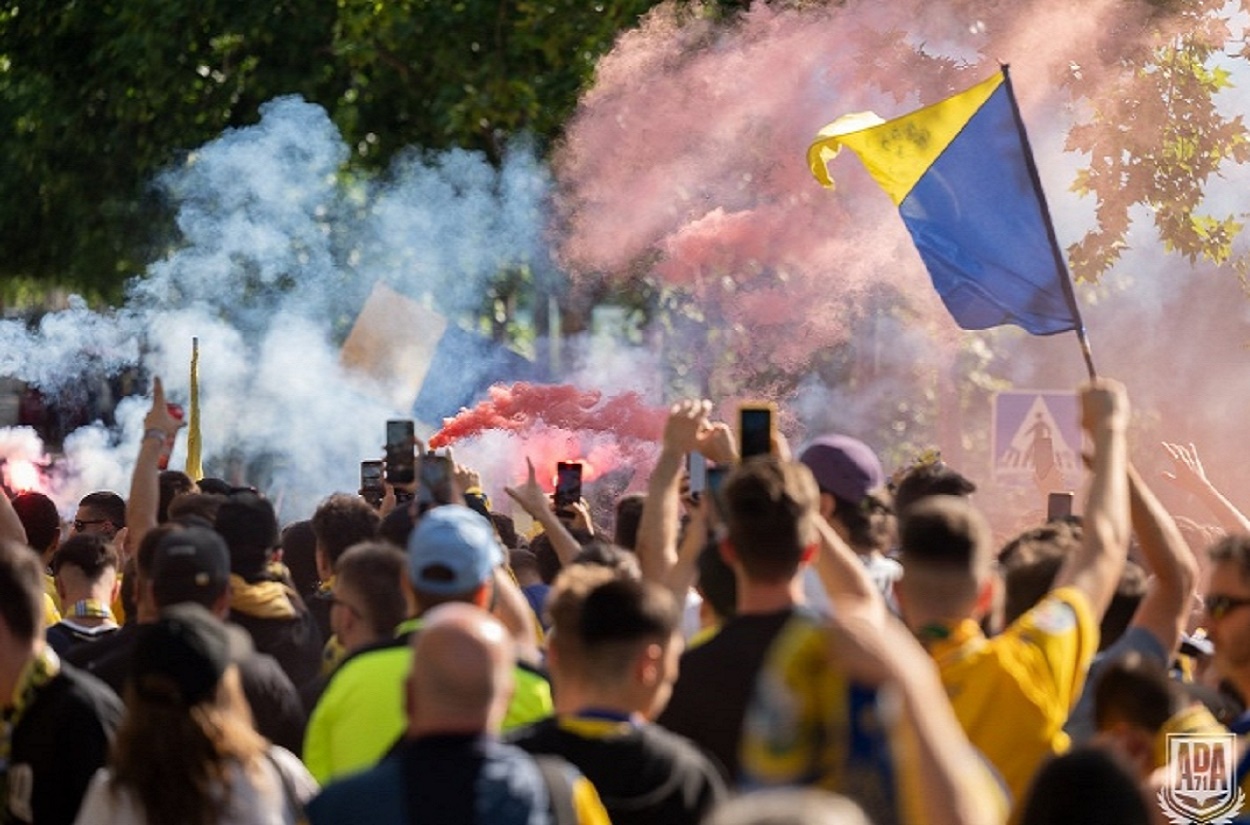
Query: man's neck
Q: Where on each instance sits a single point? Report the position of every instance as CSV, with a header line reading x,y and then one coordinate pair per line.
x,y
755,597
572,698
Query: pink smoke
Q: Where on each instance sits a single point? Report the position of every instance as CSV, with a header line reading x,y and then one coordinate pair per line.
x,y
687,159
523,406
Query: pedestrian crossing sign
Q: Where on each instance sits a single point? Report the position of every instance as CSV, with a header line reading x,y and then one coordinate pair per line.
x,y
1037,438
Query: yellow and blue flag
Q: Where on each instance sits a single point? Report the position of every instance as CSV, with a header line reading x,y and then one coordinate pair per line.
x,y
963,178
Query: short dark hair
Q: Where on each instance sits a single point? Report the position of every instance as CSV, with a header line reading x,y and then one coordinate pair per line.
x,y
108,504
374,570
248,523
21,590
1234,548
91,553
195,505
946,532
628,517
772,507
605,554
299,545
39,516
173,483
506,528
935,478
600,618
341,521
1137,690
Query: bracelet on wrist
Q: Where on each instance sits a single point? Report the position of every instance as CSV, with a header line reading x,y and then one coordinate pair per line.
x,y
154,434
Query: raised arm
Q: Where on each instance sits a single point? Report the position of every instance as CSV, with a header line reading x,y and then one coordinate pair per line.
x,y
954,783
1095,567
533,500
1165,607
143,506
11,526
661,512
1188,474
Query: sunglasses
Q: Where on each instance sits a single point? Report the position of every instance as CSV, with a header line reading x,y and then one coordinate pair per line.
x,y
1218,606
83,524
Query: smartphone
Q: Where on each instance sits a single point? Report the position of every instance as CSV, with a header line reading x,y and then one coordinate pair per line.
x,y
371,489
436,480
400,455
1058,506
696,467
568,483
755,429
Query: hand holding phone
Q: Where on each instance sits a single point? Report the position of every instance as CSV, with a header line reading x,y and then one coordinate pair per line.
x,y
568,483
756,426
371,487
401,441
436,481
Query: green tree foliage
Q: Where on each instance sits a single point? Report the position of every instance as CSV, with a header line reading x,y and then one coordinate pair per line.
x,y
1155,137
96,98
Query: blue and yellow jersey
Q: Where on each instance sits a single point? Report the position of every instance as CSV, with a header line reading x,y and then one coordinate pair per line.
x,y
1012,694
808,724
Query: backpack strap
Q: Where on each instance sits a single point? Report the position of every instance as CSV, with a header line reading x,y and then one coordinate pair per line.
x,y
293,804
559,789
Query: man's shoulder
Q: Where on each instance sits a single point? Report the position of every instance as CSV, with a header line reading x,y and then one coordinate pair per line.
x,y
740,634
372,795
76,688
118,643
373,671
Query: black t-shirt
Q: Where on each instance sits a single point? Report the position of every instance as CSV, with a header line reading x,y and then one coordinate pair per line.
x,y
65,636
59,743
716,683
276,708
644,776
295,642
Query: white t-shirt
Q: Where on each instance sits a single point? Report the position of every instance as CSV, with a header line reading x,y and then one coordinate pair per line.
x,y
255,799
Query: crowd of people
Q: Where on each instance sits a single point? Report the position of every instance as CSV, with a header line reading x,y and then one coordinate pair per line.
x,y
810,641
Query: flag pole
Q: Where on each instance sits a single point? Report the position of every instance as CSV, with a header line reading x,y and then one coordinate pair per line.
x,y
1069,293
194,465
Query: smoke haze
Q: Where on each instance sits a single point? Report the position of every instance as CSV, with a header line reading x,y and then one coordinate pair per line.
x,y
686,160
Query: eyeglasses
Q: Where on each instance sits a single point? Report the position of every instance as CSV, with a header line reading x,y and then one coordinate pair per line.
x,y
1219,606
82,524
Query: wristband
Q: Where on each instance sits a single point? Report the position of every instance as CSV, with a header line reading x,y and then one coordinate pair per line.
x,y
154,433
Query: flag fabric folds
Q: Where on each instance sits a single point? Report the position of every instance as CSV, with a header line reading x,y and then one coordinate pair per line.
x,y
194,467
961,173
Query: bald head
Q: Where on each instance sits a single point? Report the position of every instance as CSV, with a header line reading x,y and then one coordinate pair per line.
x,y
461,679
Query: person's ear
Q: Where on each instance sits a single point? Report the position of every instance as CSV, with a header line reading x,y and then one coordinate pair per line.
x,y
647,665
727,552
985,597
828,506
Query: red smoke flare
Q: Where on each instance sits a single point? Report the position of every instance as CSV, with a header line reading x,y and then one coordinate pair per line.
x,y
22,476
522,406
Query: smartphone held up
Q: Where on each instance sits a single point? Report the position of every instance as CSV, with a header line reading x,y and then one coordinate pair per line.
x,y
568,484
401,459
756,429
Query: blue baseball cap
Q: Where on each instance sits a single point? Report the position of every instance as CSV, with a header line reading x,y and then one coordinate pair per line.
x,y
453,550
